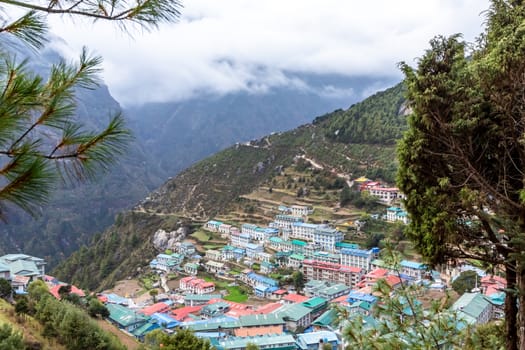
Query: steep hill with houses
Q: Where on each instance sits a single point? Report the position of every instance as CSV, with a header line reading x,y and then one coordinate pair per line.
x,y
219,184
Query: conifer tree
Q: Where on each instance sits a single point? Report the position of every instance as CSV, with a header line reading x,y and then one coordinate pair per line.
x,y
462,160
40,141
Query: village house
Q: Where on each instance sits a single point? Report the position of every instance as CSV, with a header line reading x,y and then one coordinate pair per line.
x,y
358,257
227,253
285,221
295,261
317,340
263,256
385,194
327,237
295,316
213,255
254,325
252,250
394,214
186,249
157,307
473,308
213,225
317,270
215,267
301,210
325,290
5,271
270,341
191,268
125,318
199,299
267,267
166,262
239,239
24,265
326,256
196,285
303,230
225,229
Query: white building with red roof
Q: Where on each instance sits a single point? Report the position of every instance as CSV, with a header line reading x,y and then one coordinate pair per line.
x,y
194,285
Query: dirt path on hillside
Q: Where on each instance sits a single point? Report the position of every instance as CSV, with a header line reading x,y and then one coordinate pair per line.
x,y
128,341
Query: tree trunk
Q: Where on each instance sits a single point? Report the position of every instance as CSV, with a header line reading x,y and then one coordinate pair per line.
x,y
521,302
511,311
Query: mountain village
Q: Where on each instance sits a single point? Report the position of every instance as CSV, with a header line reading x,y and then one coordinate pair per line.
x,y
280,286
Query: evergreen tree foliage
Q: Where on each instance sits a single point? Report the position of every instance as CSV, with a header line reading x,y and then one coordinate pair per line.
x,y
9,339
462,159
5,288
183,339
375,120
40,142
465,282
72,326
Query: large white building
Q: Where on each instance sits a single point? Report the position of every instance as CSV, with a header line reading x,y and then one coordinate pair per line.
x,y
285,221
238,239
358,257
327,237
303,230
385,194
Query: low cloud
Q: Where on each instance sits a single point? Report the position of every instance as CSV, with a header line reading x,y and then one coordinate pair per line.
x,y
231,45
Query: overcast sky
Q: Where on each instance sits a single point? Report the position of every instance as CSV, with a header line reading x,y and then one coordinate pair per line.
x,y
230,45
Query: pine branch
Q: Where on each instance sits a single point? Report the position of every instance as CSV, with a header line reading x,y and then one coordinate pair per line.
x,y
31,28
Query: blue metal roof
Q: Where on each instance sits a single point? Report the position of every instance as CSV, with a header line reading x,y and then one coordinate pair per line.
x,y
356,252
413,265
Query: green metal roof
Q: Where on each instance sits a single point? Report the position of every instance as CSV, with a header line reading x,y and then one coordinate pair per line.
x,y
202,297
315,303
362,304
273,341
124,316
260,320
213,326
146,328
297,256
334,289
326,319
292,312
471,304
299,243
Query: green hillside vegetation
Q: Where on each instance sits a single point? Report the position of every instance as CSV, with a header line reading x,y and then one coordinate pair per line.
x,y
378,119
215,186
39,321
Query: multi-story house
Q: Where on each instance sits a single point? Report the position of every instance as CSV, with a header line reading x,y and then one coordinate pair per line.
x,y
225,228
285,221
227,253
301,210
213,255
24,265
473,308
239,239
303,230
325,256
385,194
253,249
213,225
196,285
166,262
325,271
358,257
327,237
394,214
